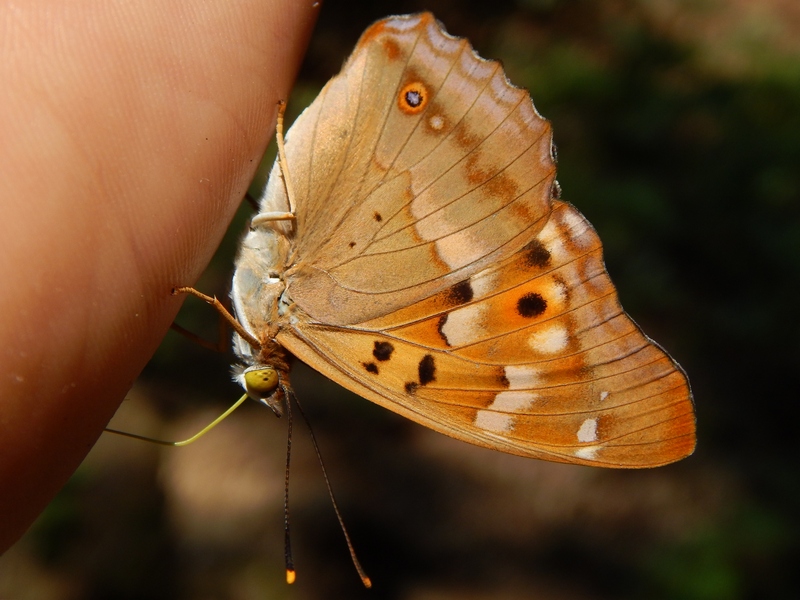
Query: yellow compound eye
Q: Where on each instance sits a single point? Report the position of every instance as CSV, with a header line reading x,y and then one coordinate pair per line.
x,y
261,382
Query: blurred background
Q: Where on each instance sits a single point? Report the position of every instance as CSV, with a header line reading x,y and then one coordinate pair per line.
x,y
678,127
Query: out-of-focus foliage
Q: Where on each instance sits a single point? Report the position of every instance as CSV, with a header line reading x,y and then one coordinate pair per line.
x,y
678,126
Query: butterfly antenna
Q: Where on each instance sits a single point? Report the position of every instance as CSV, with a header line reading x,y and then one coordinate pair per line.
x,y
359,569
188,441
287,543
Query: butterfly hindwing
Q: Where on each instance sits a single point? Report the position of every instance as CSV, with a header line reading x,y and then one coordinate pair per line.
x,y
533,356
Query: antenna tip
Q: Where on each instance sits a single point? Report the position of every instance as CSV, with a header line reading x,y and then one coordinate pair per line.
x,y
291,576
366,581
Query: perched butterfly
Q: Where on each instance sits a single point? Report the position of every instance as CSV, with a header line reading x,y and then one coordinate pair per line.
x,y
410,246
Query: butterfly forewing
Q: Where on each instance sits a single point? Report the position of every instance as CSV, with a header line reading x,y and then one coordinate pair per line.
x,y
434,274
446,169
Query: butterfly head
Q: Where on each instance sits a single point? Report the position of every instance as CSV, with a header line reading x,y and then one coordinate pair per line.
x,y
262,383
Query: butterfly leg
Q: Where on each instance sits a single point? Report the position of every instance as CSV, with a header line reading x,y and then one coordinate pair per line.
x,y
222,311
267,217
287,180
221,346
223,339
252,201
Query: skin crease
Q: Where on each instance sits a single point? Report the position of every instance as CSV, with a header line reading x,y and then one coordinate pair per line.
x,y
130,131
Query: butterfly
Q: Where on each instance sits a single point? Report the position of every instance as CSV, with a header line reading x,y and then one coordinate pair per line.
x,y
412,247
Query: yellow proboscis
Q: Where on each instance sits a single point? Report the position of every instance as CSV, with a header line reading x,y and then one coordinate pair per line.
x,y
185,442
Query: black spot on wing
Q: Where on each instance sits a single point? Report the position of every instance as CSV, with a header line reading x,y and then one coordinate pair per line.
x,y
427,370
371,367
536,255
531,305
382,351
460,293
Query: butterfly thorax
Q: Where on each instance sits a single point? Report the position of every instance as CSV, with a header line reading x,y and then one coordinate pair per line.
x,y
258,294
258,290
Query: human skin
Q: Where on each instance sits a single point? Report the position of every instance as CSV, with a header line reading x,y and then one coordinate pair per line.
x,y
129,132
